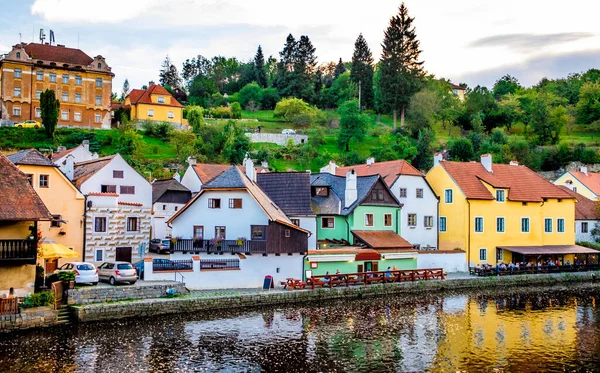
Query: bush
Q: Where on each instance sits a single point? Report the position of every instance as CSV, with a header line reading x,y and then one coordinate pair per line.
x,y
45,298
66,276
591,245
236,110
222,112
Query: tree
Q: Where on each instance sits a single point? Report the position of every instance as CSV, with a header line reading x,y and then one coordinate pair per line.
x,y
296,68
126,89
461,149
288,108
423,110
505,85
362,71
49,106
195,117
270,97
168,74
352,124
236,110
339,69
250,92
236,144
259,68
183,142
424,157
401,70
588,107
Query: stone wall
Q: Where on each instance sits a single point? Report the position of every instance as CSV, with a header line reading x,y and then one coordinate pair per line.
x,y
29,318
99,294
277,138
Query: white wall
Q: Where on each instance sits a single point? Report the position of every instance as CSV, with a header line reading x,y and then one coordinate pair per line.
x,y
449,261
579,236
310,224
163,212
426,206
191,180
80,154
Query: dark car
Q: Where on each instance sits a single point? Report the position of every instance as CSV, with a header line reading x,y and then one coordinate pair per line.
x,y
160,246
159,264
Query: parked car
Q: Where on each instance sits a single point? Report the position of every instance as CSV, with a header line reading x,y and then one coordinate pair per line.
x,y
85,273
116,272
160,264
288,132
160,246
29,124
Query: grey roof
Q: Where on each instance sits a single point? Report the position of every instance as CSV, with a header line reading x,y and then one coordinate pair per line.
x,y
160,187
231,178
289,190
334,203
30,157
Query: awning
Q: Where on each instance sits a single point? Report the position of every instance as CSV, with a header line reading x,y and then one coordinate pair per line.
x,y
52,250
382,240
407,255
550,250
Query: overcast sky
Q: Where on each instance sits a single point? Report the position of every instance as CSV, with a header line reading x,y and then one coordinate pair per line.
x,y
471,41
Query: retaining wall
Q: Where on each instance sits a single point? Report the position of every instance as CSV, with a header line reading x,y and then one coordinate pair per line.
x,y
450,261
99,294
277,138
29,318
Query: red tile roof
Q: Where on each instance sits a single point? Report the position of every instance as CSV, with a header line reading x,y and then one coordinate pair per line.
x,y
58,54
590,179
19,200
139,96
382,239
585,208
524,185
388,170
61,154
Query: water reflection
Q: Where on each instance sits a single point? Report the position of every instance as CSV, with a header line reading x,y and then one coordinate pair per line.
x,y
551,329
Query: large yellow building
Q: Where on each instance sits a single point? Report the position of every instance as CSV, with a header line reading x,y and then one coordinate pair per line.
x,y
154,103
82,84
503,213
62,198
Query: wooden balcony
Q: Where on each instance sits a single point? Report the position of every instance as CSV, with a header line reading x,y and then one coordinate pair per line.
x,y
223,246
18,251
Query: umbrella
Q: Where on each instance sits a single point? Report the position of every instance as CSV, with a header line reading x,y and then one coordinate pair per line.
x,y
53,250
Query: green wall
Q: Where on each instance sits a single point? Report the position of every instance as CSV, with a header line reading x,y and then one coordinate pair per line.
x,y
351,267
339,232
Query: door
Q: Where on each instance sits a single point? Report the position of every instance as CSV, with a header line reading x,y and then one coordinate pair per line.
x,y
123,254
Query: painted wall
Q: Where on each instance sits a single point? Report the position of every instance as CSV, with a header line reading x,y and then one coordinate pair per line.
x,y
191,180
352,266
575,185
277,138
449,261
587,236
161,113
80,154
19,277
339,231
310,224
162,212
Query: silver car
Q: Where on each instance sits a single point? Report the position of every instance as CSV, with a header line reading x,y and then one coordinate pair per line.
x,y
115,272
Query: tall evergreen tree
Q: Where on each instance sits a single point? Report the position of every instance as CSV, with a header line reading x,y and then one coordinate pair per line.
x,y
295,77
259,68
126,89
401,70
288,55
49,106
306,60
339,69
168,74
362,71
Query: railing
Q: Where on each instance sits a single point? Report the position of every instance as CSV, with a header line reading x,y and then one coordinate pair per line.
x,y
219,264
18,250
524,270
172,265
223,246
9,306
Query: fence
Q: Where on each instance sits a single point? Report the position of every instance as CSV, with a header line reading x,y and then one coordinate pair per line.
x,y
524,270
219,264
222,246
172,265
9,306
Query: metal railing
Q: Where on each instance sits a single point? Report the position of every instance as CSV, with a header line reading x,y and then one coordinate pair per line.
x,y
18,250
219,264
524,270
172,265
222,246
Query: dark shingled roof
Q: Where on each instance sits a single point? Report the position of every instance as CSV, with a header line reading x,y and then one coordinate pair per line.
x,y
231,178
289,190
160,187
19,199
30,157
85,170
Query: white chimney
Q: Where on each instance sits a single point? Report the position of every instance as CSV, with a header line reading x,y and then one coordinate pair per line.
x,y
191,161
486,161
264,164
370,161
60,148
351,192
437,158
330,168
86,144
584,170
70,166
249,169
514,163
95,156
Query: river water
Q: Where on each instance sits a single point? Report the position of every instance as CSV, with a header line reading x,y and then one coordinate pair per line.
x,y
553,329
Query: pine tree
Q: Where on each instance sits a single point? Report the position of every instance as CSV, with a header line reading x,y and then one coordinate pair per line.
x,y
362,71
401,70
339,69
125,90
306,60
288,54
295,75
259,68
168,74
49,106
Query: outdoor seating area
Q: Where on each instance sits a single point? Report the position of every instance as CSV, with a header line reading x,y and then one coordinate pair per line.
x,y
498,270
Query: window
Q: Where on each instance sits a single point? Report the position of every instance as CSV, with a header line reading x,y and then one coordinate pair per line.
x,y
38,112
419,193
387,220
380,195
99,100
235,203
65,96
547,225
77,116
99,65
164,207
78,80
288,233
500,225
17,73
97,118
126,189
296,222
478,224
17,92
368,220
78,98
214,203
321,191
258,232
52,78
65,79
428,221
448,196
584,227
99,255
328,223
442,223
17,111
482,254
108,189
412,220
560,225
402,192
171,115
18,54
117,174
99,82
220,232
499,196
175,208
151,113
29,179
64,115
38,94
499,254
161,100
55,222
132,224
524,225
39,76
44,181
100,224
199,232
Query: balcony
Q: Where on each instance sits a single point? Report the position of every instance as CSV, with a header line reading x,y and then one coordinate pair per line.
x,y
18,251
223,246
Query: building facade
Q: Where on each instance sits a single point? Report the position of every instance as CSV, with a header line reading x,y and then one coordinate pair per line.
x,y
82,84
583,182
154,103
168,197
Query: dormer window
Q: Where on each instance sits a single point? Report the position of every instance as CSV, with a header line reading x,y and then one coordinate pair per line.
x,y
161,100
99,65
500,196
18,54
321,191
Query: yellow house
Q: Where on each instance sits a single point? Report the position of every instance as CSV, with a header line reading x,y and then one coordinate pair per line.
x,y
503,213
154,103
64,201
583,182
20,210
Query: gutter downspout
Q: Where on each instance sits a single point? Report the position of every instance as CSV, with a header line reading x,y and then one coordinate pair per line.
x,y
438,225
85,210
469,235
303,271
348,229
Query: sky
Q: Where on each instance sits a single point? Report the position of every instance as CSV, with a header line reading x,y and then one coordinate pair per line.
x,y
470,41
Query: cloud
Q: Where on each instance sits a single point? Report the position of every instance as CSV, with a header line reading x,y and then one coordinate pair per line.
x,y
525,42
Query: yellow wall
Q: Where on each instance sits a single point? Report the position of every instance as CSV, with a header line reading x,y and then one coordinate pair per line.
x,y
19,277
581,188
160,113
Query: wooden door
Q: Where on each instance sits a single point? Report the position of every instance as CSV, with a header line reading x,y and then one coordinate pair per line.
x,y
123,254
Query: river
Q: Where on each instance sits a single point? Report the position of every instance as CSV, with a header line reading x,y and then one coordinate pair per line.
x,y
552,329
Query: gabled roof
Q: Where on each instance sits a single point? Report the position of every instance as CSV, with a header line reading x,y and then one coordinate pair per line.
x,y
20,202
60,54
208,171
382,240
523,184
289,190
389,170
30,157
160,187
61,154
590,179
585,208
87,169
140,96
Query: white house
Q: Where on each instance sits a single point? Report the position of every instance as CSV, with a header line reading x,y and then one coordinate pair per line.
x,y
420,203
118,209
79,153
168,196
237,236
586,216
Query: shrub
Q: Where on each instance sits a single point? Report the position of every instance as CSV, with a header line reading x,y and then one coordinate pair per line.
x,y
236,110
222,112
45,298
66,276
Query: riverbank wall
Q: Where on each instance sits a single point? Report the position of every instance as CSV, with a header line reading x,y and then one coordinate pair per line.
x,y
28,318
193,303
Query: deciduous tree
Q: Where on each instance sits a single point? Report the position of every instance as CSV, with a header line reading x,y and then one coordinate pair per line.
x,y
352,124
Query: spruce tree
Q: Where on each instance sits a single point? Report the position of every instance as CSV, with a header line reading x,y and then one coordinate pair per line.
x,y
339,69
259,68
306,60
49,106
126,89
296,69
362,71
168,74
401,70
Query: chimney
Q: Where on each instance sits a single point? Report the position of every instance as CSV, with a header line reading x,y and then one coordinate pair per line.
x,y
60,148
514,163
86,144
249,169
264,164
70,166
370,161
351,192
583,169
486,161
95,156
191,161
437,158
331,167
